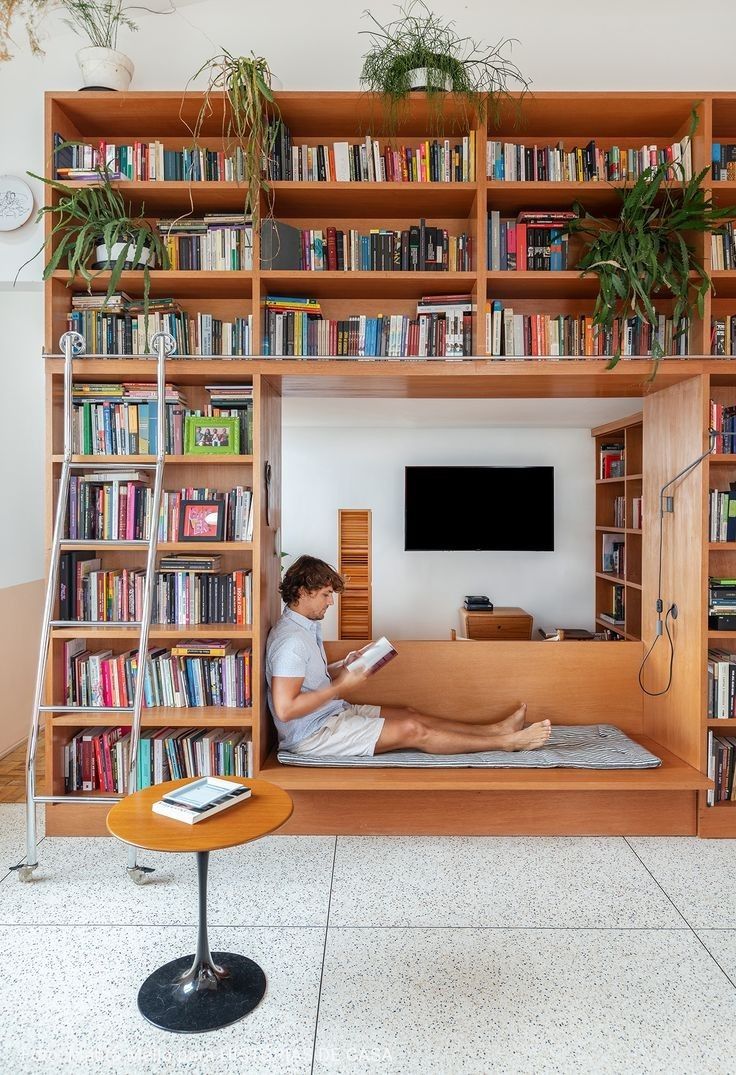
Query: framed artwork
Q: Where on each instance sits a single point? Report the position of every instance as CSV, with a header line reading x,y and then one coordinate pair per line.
x,y
211,436
202,520
16,202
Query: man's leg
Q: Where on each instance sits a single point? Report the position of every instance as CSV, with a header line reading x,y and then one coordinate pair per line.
x,y
512,723
432,736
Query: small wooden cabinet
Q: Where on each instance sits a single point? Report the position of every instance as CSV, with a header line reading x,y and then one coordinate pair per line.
x,y
505,623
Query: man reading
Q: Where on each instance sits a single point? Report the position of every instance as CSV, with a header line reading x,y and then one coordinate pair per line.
x,y
304,692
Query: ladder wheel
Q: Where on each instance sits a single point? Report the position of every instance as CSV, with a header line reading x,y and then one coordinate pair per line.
x,y
25,873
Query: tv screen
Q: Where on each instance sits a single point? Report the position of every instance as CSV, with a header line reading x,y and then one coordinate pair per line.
x,y
479,508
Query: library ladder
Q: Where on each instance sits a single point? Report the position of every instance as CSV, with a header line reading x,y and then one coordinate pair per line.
x,y
72,345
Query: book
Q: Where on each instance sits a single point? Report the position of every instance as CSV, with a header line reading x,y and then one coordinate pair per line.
x,y
201,799
374,656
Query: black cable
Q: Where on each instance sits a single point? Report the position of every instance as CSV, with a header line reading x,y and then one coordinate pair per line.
x,y
657,694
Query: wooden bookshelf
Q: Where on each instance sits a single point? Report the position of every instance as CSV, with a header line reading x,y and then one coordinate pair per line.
x,y
627,485
625,119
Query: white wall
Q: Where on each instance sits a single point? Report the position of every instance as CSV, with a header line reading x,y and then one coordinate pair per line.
x,y
316,45
418,594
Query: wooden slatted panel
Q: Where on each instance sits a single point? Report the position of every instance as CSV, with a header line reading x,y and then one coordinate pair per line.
x,y
354,564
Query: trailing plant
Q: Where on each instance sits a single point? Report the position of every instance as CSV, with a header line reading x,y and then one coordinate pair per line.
x,y
643,252
97,20
480,75
92,216
250,118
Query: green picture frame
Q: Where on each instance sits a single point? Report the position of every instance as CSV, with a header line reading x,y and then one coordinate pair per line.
x,y
211,436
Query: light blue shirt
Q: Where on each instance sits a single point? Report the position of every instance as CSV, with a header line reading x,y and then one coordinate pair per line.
x,y
295,649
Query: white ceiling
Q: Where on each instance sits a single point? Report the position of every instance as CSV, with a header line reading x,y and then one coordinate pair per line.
x,y
448,413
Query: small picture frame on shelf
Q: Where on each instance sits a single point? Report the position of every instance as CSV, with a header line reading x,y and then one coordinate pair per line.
x,y
211,436
202,520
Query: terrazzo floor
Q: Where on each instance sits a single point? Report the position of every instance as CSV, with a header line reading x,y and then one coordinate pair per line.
x,y
434,956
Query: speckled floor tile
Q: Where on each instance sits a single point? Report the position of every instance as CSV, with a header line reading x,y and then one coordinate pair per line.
x,y
68,1002
523,1002
721,943
277,881
13,834
697,875
502,881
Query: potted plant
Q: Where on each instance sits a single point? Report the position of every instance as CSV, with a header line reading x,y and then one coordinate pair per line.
x,y
101,64
241,85
94,230
643,252
421,50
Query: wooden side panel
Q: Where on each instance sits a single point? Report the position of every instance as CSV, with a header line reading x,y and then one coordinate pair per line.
x,y
674,423
266,548
355,604
570,682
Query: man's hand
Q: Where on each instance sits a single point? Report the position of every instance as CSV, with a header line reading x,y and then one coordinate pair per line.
x,y
349,678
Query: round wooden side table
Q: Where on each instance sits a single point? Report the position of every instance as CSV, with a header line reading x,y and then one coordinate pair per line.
x,y
207,990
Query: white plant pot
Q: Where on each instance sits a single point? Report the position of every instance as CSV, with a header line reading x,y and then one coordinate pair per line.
x,y
105,258
422,78
104,69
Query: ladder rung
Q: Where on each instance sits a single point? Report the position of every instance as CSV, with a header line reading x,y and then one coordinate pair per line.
x,y
101,800
86,709
96,623
103,543
113,466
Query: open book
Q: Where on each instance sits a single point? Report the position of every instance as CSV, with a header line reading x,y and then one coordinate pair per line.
x,y
374,655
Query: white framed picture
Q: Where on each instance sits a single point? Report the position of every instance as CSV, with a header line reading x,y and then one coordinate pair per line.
x,y
16,202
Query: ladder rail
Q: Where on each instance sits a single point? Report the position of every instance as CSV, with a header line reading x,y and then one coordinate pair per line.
x,y
164,345
73,345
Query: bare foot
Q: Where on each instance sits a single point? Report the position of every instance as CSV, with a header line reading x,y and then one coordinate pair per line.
x,y
514,723
533,737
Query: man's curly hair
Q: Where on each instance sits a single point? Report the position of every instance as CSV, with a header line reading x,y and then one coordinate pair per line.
x,y
310,574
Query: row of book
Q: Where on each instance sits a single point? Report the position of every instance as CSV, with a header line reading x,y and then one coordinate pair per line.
x,y
721,604
147,162
617,614
723,421
521,335
517,162
721,667
721,768
611,459
723,336
181,597
216,242
175,678
107,421
619,512
723,161
723,247
99,760
199,335
372,160
722,514
442,329
118,507
418,248
535,241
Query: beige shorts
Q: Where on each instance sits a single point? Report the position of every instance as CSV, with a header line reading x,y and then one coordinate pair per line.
x,y
352,733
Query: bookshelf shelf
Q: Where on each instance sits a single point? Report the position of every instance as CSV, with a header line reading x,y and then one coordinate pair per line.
x,y
609,577
163,717
513,196
562,285
166,283
611,529
610,481
366,285
166,631
722,460
726,724
171,460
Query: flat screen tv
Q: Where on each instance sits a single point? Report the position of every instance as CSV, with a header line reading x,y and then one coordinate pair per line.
x,y
479,508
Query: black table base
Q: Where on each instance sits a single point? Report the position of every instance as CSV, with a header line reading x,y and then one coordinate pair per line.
x,y
205,991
